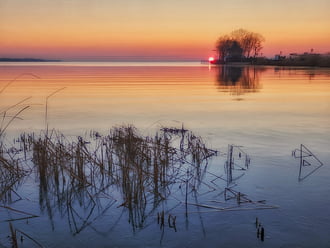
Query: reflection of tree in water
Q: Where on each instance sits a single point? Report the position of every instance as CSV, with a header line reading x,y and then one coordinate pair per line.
x,y
238,80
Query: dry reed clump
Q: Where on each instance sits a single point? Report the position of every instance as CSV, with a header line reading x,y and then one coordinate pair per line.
x,y
12,171
10,175
141,167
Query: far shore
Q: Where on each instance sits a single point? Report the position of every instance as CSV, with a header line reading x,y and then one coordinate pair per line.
x,y
303,61
323,61
28,60
309,60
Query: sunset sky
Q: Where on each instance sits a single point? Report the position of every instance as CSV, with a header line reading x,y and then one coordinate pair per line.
x,y
144,29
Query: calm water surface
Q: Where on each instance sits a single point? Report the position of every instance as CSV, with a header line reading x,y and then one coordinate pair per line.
x,y
267,111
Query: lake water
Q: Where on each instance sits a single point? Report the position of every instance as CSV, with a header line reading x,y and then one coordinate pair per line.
x,y
266,112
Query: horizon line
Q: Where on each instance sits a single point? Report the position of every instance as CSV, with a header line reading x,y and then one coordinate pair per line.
x,y
117,58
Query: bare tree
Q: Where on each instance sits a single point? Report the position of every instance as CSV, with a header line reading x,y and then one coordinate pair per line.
x,y
250,42
243,37
239,43
222,45
228,47
257,40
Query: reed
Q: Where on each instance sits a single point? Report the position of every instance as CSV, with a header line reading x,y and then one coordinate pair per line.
x,y
11,168
13,236
12,171
143,168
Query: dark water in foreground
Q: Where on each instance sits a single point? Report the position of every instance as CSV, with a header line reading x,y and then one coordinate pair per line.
x,y
266,111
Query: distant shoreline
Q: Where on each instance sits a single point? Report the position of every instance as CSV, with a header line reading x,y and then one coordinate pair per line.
x,y
310,60
28,60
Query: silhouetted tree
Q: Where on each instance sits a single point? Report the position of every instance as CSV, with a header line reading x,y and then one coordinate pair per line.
x,y
242,36
222,46
235,50
229,48
257,40
249,42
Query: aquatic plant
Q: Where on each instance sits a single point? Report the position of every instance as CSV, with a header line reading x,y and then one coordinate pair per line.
x,y
11,167
75,172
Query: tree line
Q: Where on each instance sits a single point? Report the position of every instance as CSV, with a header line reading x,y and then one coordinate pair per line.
x,y
239,44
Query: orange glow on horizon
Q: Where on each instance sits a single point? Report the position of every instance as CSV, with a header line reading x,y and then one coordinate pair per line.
x,y
70,29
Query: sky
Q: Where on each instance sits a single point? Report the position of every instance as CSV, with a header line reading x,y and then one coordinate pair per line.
x,y
156,29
